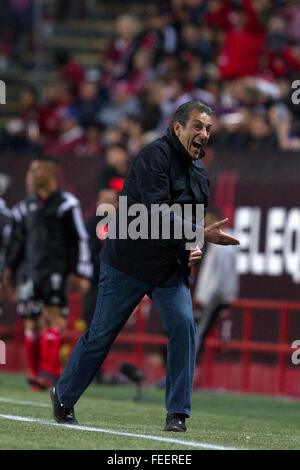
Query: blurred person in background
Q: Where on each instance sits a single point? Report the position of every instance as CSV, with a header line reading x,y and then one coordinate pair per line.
x,y
115,169
243,36
118,55
21,133
133,132
97,234
231,131
70,70
217,284
7,23
91,145
150,103
49,237
57,98
23,10
141,71
159,35
88,103
123,101
173,95
196,39
18,291
71,135
112,135
261,135
5,228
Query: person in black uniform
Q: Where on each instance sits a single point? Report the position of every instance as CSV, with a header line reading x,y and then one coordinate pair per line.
x,y
5,228
168,170
97,235
50,239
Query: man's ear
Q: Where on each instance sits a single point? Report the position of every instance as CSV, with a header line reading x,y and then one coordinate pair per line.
x,y
177,128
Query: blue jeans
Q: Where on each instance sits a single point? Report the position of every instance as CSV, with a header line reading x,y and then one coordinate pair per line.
x,y
118,295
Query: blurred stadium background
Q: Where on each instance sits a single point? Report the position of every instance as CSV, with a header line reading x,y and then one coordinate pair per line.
x,y
93,81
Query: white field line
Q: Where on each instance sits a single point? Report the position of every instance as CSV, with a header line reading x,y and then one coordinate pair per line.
x,y
200,445
20,402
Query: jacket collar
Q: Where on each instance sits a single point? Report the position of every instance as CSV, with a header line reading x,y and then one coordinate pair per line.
x,y
185,156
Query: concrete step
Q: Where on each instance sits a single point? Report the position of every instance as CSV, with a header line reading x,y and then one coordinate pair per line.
x,y
83,58
75,43
88,29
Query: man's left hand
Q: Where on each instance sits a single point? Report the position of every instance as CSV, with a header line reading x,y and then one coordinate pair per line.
x,y
195,256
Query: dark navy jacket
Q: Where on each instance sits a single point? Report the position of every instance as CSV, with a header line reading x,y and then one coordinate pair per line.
x,y
163,172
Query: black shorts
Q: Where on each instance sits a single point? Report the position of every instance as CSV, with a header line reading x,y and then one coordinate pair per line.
x,y
34,295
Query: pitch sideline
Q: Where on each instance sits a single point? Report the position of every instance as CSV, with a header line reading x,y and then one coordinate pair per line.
x,y
200,445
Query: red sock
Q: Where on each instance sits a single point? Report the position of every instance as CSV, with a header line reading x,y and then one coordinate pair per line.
x,y
32,351
50,345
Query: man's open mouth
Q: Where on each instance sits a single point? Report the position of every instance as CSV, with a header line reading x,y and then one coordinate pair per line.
x,y
197,145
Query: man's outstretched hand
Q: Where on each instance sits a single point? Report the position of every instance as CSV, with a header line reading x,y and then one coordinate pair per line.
x,y
213,234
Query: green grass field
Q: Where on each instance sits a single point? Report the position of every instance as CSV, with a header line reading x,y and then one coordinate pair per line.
x,y
218,420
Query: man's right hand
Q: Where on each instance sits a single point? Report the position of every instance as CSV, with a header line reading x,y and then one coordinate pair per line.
x,y
214,234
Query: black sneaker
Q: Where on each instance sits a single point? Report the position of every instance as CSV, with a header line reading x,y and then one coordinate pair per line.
x,y
175,422
61,414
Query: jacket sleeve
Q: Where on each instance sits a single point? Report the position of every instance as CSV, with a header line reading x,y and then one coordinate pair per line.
x,y
15,250
77,242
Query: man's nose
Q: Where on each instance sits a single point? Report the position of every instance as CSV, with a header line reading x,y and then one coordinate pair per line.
x,y
203,134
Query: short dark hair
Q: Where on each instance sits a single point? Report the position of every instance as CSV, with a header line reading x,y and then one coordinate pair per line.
x,y
47,158
182,113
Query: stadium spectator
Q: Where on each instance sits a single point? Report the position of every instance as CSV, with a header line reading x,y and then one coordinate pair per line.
x,y
142,70
50,238
123,101
112,135
116,166
133,134
71,136
118,55
88,103
171,59
91,144
70,71
243,37
56,100
159,35
261,135
150,103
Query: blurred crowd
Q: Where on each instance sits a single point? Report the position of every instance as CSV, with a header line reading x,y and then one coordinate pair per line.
x,y
237,56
